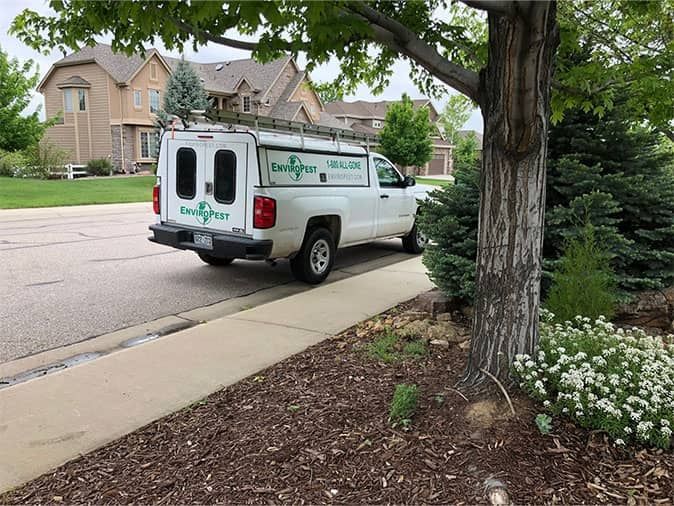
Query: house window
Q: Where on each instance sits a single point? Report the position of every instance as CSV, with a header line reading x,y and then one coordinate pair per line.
x,y
154,101
148,144
82,99
186,171
153,71
67,100
137,99
225,176
245,104
376,123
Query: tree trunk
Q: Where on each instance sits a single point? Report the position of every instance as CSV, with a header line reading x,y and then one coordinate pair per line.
x,y
515,102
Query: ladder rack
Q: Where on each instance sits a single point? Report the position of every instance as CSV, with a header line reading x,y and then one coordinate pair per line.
x,y
270,124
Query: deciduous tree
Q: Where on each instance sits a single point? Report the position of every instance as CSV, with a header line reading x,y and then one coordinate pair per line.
x,y
509,75
17,81
406,136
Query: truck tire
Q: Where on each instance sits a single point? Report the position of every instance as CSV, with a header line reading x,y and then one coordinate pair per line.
x,y
415,242
314,261
216,261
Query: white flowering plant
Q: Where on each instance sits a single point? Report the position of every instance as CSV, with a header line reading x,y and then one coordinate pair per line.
x,y
604,378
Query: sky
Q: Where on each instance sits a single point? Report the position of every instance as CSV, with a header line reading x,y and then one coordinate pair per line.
x,y
400,82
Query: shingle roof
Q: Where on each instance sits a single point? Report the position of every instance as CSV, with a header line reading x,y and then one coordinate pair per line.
x,y
327,119
362,108
120,66
74,81
285,110
260,76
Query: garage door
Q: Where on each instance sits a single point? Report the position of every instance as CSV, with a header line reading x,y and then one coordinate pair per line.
x,y
437,165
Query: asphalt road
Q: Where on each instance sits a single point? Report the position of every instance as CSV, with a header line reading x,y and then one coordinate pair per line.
x,y
67,274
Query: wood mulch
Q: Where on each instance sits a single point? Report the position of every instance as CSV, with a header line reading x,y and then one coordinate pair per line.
x,y
313,429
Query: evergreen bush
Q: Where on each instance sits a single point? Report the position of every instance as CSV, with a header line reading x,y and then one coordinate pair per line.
x,y
606,172
583,284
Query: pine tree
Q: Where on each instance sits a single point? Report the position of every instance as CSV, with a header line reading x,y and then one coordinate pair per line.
x,y
184,92
607,172
625,162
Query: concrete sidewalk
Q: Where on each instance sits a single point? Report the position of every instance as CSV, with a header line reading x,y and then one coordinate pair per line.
x,y
48,421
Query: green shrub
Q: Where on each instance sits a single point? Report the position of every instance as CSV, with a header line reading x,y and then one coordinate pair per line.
x,y
403,404
415,348
42,159
450,219
384,348
99,167
603,378
10,162
389,348
584,284
605,171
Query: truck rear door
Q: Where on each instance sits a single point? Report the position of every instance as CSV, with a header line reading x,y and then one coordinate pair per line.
x,y
207,184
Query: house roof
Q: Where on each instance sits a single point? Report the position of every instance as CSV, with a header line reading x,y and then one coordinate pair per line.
x,y
222,77
365,109
74,81
225,81
120,66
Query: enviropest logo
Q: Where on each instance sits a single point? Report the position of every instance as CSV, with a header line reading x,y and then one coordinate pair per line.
x,y
204,213
294,168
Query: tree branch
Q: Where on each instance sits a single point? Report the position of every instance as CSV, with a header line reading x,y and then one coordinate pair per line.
x,y
399,38
492,6
225,41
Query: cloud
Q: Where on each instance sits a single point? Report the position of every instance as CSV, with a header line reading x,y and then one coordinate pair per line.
x,y
400,82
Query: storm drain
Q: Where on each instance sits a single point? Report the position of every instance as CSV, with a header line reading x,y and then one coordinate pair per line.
x,y
48,369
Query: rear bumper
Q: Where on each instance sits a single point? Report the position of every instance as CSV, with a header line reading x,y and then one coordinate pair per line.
x,y
224,246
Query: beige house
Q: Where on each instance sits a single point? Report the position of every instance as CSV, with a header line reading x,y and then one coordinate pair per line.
x,y
368,117
106,102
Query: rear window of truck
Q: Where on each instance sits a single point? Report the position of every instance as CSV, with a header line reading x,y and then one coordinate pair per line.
x,y
186,173
225,176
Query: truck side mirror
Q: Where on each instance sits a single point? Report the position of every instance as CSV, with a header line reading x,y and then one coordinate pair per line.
x,y
409,181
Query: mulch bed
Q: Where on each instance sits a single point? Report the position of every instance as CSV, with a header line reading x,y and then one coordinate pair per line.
x,y
313,429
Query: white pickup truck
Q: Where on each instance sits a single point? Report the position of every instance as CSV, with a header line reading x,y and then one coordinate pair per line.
x,y
227,192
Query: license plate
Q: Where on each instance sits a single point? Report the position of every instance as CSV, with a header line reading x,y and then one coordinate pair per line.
x,y
203,240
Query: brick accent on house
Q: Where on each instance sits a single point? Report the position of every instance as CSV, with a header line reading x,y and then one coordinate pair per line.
x,y
129,143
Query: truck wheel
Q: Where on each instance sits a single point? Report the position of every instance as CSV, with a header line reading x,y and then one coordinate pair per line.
x,y
216,261
313,262
415,242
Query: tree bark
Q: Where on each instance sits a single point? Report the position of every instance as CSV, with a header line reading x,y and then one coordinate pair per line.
x,y
515,101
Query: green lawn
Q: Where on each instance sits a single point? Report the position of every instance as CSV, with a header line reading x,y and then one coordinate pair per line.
x,y
434,182
19,193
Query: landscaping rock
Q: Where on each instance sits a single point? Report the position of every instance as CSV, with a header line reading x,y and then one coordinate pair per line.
x,y
465,345
440,342
648,309
447,331
415,315
417,329
467,311
435,302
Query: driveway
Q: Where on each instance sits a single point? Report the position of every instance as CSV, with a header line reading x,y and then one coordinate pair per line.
x,y
68,274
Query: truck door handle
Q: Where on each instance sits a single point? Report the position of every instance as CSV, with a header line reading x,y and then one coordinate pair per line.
x,y
383,196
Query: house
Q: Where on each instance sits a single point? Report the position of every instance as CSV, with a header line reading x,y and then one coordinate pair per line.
x,y
105,102
368,117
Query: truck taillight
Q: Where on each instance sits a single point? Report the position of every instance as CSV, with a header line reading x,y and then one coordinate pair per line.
x,y
264,212
155,199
